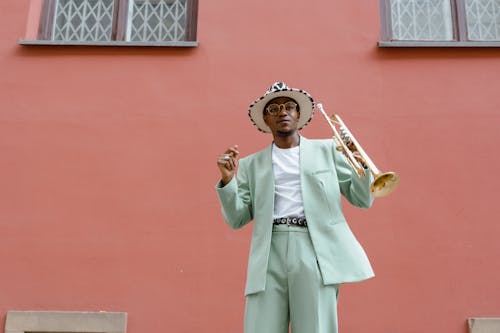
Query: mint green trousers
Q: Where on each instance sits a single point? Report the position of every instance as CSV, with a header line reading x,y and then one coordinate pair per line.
x,y
295,295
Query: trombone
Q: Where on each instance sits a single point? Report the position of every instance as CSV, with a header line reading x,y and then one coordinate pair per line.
x,y
384,183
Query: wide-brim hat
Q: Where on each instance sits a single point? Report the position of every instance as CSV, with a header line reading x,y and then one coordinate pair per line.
x,y
280,89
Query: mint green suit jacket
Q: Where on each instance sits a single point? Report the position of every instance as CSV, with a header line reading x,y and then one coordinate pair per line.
x,y
325,174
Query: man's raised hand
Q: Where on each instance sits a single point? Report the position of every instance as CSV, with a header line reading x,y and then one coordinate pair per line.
x,y
228,163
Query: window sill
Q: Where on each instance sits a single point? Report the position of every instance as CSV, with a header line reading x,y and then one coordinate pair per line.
x,y
437,44
483,325
65,321
108,43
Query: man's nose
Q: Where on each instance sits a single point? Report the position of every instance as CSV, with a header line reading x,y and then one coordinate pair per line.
x,y
282,111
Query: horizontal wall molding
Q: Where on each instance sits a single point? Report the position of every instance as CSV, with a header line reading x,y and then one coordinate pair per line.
x,y
65,321
484,325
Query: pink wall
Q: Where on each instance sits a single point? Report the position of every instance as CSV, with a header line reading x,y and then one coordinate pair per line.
x,y
107,159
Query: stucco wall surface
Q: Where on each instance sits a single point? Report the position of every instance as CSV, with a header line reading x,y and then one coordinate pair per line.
x,y
108,167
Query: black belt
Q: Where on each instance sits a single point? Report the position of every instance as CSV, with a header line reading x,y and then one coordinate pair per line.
x,y
295,221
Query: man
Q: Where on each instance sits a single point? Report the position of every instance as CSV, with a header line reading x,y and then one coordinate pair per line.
x,y
302,247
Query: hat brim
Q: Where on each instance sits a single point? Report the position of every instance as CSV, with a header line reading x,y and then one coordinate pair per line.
x,y
303,99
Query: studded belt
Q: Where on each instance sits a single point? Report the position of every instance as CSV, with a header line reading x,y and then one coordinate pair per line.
x,y
295,221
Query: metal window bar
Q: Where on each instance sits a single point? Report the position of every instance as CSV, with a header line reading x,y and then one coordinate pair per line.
x,y
157,20
83,20
421,20
483,19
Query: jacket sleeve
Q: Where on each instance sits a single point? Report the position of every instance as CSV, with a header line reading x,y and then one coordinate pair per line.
x,y
235,199
355,189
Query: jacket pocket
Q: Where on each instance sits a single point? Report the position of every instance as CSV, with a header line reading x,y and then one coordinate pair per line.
x,y
319,172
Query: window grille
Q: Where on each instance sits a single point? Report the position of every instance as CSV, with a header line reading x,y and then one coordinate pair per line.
x,y
157,20
421,20
115,23
84,20
483,19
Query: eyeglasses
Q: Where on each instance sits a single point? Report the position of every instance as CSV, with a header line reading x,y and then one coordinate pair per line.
x,y
274,109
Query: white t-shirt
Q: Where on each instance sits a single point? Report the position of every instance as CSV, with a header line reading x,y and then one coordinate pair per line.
x,y
287,190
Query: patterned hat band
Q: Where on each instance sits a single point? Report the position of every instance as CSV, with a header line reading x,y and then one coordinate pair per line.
x,y
277,86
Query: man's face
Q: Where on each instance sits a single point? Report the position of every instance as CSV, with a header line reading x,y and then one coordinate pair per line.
x,y
284,122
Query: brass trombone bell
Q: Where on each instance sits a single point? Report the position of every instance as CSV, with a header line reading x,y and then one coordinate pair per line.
x,y
384,183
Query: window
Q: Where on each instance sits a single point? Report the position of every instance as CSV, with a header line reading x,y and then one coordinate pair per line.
x,y
87,20
442,22
133,22
421,20
483,19
156,20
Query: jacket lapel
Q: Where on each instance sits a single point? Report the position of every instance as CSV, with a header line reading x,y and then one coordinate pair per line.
x,y
266,182
305,157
